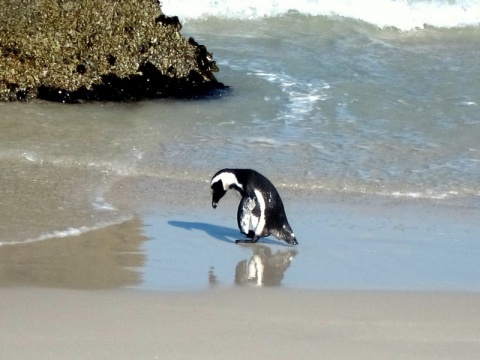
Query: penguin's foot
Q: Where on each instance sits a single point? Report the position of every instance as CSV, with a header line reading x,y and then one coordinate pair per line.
x,y
244,241
247,241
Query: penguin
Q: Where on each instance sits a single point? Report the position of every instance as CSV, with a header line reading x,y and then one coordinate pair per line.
x,y
260,212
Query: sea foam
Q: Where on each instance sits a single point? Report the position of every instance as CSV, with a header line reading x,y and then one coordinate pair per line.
x,y
401,14
68,232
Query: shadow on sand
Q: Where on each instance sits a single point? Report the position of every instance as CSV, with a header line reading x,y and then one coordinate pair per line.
x,y
221,233
218,232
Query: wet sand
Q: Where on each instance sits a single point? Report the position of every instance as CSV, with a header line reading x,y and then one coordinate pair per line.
x,y
239,323
176,241
372,278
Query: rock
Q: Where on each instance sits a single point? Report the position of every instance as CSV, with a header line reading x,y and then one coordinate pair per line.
x,y
75,50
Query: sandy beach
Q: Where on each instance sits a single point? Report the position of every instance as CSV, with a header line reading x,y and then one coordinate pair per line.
x,y
366,282
237,324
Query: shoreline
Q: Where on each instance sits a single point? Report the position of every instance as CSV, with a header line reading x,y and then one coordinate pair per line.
x,y
179,243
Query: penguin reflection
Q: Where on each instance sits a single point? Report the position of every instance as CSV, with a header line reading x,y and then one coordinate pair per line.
x,y
264,268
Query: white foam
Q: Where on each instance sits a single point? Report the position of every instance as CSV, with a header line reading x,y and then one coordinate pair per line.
x,y
424,195
101,204
264,141
401,14
31,156
302,98
68,232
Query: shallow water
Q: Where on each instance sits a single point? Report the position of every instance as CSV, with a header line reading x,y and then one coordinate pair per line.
x,y
344,245
330,104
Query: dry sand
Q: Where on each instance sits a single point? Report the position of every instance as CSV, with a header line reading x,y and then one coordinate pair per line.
x,y
240,323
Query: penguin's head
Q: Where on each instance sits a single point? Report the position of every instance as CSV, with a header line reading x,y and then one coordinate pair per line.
x,y
221,182
218,191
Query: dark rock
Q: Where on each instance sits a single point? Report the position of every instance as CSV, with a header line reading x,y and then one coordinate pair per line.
x,y
77,50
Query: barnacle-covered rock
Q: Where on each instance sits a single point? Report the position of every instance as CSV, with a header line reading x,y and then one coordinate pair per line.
x,y
73,50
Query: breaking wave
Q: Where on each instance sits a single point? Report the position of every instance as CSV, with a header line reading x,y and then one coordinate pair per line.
x,y
401,14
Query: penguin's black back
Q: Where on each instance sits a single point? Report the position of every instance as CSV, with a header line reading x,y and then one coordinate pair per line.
x,y
253,180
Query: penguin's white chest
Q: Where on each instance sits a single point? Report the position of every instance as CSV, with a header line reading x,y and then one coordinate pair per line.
x,y
253,214
249,217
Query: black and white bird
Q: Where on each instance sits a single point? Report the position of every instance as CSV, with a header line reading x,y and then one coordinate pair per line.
x,y
261,212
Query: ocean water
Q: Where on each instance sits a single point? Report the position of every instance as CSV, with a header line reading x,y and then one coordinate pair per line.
x,y
377,98
342,95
